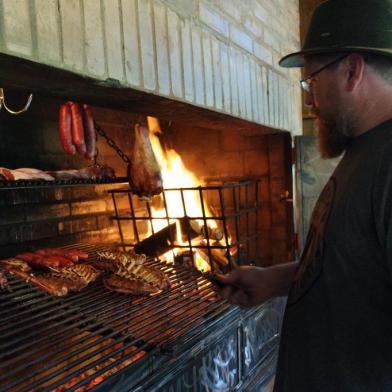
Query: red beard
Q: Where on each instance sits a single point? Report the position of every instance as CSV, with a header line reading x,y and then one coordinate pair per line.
x,y
333,136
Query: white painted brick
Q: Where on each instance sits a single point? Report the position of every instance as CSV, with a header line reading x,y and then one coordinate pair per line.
x,y
241,38
208,74
226,79
262,53
17,27
253,88
131,42
248,87
272,39
254,26
279,102
161,40
113,39
94,40
213,19
287,96
187,60
233,82
272,87
72,34
231,8
267,108
48,33
260,12
260,94
217,74
276,100
146,37
241,83
257,93
175,54
198,65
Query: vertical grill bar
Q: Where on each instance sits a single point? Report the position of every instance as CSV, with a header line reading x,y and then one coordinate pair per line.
x,y
167,219
205,225
225,229
118,220
187,224
236,222
247,207
257,217
135,229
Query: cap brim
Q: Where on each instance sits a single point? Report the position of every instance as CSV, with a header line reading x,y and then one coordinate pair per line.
x,y
296,59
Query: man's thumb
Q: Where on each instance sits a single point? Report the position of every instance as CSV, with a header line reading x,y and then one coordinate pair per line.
x,y
229,278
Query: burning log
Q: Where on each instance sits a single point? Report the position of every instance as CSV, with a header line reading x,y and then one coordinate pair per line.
x,y
211,233
164,240
217,255
158,243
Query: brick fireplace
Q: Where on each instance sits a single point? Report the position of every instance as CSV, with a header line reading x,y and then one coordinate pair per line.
x,y
207,69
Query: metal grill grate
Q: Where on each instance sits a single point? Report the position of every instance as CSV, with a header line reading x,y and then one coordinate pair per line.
x,y
233,209
46,342
20,184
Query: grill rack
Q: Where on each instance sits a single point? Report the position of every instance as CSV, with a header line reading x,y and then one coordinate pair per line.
x,y
45,341
21,184
235,208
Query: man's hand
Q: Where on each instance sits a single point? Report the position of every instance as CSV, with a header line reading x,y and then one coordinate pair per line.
x,y
250,285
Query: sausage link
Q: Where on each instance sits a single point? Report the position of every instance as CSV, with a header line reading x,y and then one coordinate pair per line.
x,y
65,129
77,124
89,132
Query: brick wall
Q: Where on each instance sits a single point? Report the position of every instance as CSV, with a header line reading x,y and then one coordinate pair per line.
x,y
217,54
43,216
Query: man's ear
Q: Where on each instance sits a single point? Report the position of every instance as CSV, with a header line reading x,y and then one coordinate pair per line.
x,y
354,71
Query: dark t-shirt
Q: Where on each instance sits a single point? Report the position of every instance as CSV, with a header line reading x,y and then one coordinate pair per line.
x,y
337,329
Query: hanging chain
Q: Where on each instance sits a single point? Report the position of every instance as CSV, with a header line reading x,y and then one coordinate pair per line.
x,y
112,144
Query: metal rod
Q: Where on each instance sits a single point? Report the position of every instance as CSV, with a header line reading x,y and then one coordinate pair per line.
x,y
136,232
167,219
257,217
247,221
225,229
187,227
236,220
207,235
118,221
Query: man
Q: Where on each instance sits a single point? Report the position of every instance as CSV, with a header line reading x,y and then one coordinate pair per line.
x,y
337,328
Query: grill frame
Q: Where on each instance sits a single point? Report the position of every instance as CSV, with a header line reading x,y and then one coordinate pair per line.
x,y
191,304
241,240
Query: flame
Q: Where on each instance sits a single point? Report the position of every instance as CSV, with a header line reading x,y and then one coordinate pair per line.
x,y
176,175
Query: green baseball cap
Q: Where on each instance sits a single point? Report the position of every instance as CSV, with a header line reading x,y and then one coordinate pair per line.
x,y
345,26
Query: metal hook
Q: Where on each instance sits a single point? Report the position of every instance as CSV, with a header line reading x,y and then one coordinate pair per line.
x,y
2,103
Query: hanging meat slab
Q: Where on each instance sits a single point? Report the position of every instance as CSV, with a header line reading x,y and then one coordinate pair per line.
x,y
144,173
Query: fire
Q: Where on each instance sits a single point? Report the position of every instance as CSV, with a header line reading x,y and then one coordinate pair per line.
x,y
176,175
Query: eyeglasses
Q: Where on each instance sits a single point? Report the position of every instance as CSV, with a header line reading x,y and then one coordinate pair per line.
x,y
306,83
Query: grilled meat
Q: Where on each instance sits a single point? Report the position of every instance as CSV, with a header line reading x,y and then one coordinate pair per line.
x,y
9,264
42,261
4,286
59,281
95,172
73,278
131,268
52,258
119,257
144,172
128,286
74,254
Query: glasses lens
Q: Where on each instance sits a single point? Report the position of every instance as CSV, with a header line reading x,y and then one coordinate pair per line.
x,y
305,85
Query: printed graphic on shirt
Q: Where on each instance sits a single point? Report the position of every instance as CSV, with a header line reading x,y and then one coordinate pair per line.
x,y
310,265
